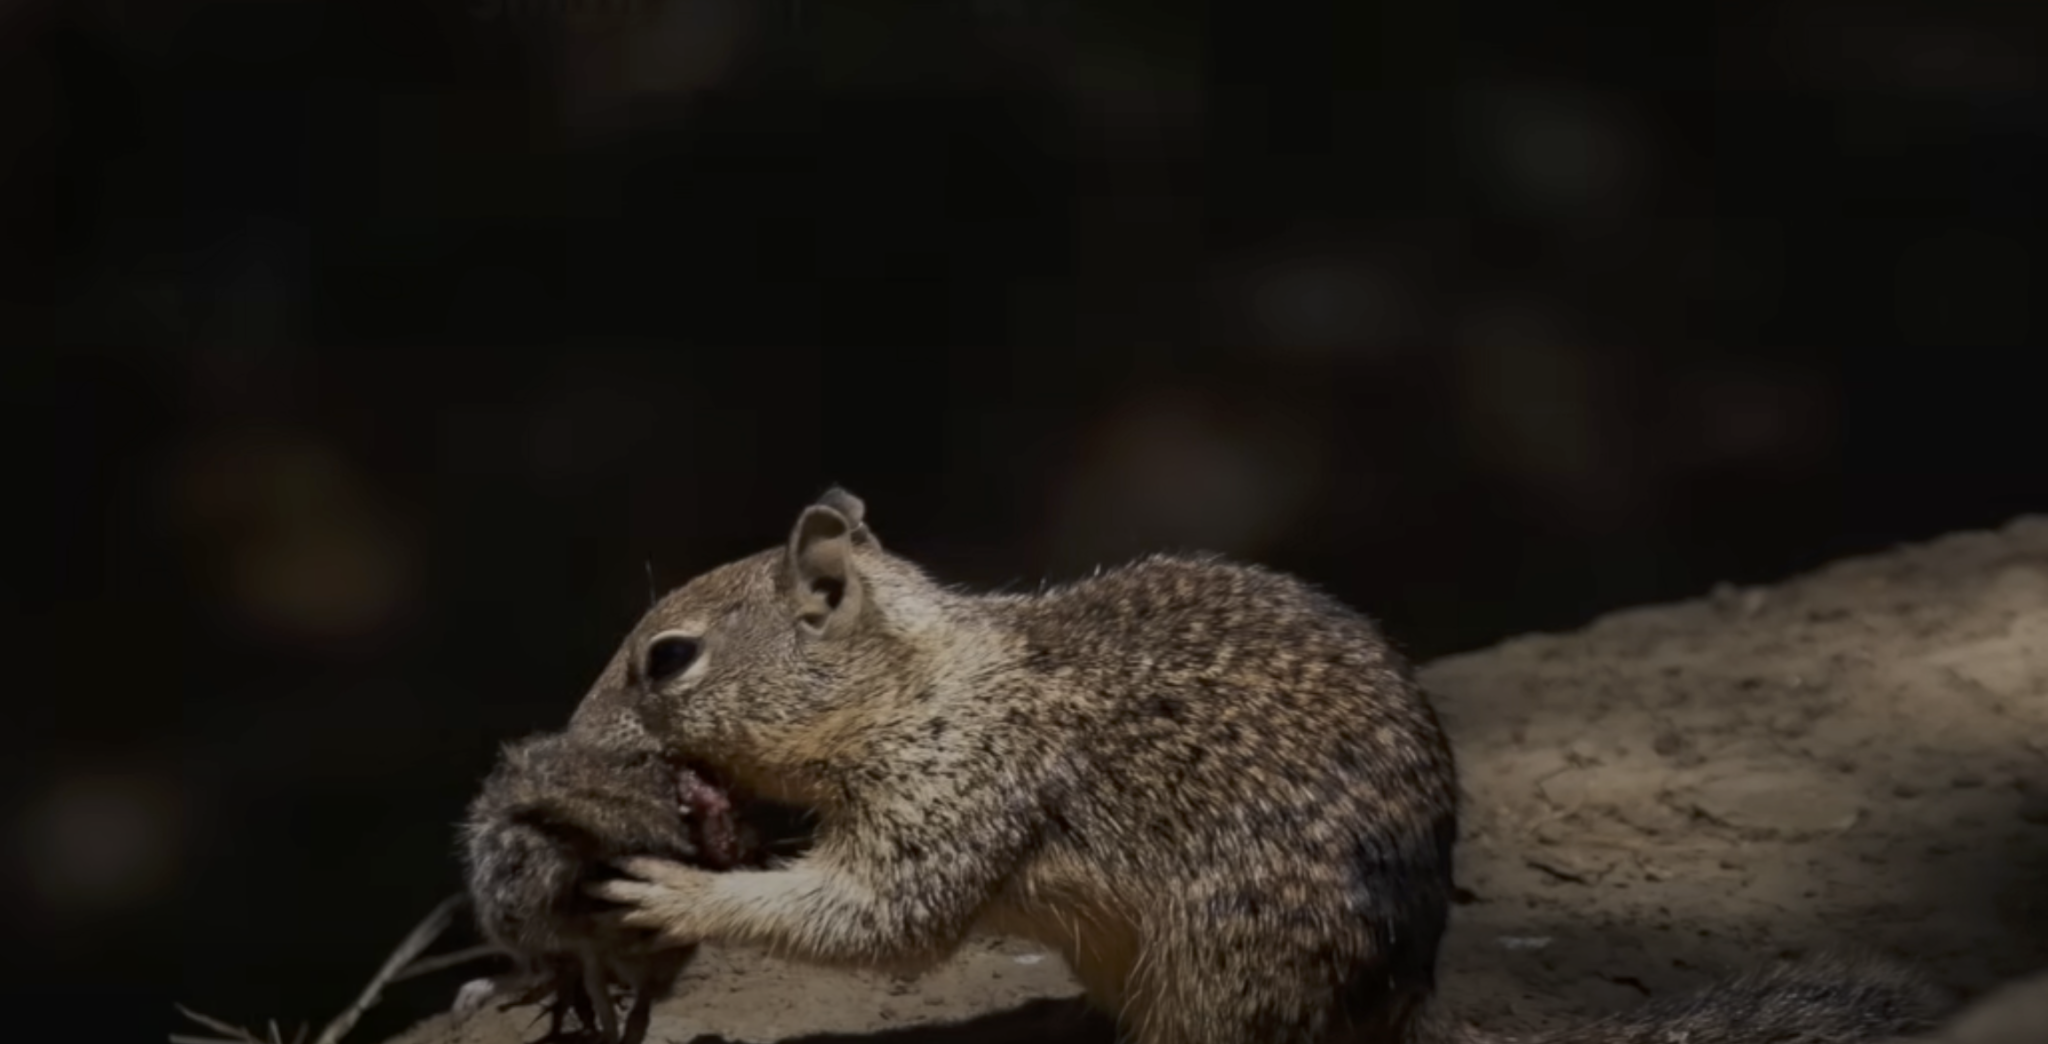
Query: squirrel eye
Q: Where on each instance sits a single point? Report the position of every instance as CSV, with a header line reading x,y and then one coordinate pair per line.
x,y
668,656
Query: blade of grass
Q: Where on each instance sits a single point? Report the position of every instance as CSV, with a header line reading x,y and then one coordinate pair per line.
x,y
429,965
408,951
216,1025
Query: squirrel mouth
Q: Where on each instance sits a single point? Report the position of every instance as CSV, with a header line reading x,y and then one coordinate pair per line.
x,y
731,827
708,806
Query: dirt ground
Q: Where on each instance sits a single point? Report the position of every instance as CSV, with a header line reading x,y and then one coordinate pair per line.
x,y
1854,758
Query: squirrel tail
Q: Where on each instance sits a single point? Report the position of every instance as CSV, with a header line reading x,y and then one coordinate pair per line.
x,y
1827,999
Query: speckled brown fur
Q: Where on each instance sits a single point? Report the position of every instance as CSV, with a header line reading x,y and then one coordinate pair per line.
x,y
1218,793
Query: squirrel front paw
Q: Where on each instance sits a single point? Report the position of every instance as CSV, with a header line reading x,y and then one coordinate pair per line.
x,y
659,894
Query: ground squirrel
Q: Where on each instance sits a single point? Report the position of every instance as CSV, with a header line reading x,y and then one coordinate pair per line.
x,y
1216,792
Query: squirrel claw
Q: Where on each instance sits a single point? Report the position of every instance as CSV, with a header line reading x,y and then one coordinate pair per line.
x,y
644,905
658,871
628,893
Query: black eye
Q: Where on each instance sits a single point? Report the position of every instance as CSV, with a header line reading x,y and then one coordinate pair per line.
x,y
668,656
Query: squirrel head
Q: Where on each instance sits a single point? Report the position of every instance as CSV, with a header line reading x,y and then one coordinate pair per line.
x,y
768,670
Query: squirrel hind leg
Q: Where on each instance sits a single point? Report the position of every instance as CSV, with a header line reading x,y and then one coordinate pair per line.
x,y
1201,984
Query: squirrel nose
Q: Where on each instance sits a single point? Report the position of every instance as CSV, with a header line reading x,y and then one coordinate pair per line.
x,y
607,725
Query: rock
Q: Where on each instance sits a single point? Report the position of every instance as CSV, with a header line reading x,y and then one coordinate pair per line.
x,y
1775,803
2015,1014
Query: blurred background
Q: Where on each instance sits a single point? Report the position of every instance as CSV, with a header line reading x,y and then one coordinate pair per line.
x,y
369,356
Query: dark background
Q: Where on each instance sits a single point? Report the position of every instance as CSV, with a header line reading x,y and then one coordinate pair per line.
x,y
372,354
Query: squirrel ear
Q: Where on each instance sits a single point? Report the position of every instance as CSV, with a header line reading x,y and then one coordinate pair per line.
x,y
855,511
827,592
